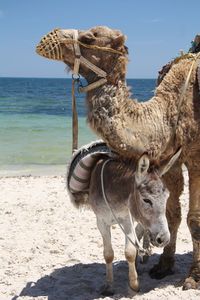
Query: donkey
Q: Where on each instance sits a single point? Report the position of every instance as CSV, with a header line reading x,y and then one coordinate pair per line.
x,y
134,192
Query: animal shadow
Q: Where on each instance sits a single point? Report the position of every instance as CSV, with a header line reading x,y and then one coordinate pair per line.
x,y
85,281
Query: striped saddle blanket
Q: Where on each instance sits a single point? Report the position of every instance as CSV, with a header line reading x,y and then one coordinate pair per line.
x,y
82,164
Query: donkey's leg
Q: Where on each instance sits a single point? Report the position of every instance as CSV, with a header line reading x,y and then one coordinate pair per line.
x,y
175,182
108,256
130,254
193,220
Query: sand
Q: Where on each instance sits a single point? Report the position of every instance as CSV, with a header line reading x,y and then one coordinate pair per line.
x,y
50,250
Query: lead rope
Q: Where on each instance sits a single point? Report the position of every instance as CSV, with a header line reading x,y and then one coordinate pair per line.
x,y
79,59
74,117
136,244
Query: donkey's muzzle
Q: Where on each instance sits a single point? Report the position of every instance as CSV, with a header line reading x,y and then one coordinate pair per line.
x,y
161,239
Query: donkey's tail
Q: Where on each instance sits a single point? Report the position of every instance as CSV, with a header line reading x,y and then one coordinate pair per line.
x,y
79,199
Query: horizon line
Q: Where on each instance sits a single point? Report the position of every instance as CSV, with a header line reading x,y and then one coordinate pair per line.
x,y
34,77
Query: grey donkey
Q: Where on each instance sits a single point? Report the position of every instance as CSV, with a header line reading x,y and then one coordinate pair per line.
x,y
134,193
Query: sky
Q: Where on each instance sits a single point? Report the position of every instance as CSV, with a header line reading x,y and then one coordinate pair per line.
x,y
156,31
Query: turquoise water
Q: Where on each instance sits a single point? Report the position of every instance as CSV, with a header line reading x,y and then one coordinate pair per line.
x,y
35,123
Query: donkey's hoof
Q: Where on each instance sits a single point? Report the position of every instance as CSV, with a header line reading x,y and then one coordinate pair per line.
x,y
107,290
134,287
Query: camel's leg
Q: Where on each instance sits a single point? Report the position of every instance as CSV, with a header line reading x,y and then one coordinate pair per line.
x,y
130,254
193,220
174,182
108,256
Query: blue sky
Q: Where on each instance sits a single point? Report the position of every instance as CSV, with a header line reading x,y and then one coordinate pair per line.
x,y
156,31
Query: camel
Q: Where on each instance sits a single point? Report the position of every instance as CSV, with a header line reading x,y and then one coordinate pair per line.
x,y
120,192
170,119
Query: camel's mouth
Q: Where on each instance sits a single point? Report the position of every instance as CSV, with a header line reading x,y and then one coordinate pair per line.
x,y
49,46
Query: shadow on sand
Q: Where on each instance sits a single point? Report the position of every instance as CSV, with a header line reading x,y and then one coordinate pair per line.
x,y
85,281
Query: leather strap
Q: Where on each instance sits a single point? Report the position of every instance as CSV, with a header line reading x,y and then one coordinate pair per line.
x,y
79,59
77,53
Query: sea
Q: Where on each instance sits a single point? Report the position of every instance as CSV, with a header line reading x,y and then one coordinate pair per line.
x,y
36,123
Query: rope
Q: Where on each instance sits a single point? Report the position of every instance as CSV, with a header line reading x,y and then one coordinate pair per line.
x,y
106,49
92,67
74,119
136,244
196,58
188,77
92,86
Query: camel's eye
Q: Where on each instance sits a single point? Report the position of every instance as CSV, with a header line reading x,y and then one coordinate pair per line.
x,y
148,201
95,34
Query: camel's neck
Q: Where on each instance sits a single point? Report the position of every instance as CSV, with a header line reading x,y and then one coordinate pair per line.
x,y
130,127
121,121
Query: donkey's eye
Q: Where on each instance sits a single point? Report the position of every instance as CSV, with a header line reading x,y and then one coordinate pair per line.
x,y
148,201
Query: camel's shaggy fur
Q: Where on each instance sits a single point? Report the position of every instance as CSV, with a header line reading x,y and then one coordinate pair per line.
x,y
158,126
130,127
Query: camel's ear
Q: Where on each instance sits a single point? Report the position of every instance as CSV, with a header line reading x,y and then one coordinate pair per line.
x,y
118,41
87,37
164,168
142,168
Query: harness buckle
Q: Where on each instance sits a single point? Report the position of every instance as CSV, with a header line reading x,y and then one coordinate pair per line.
x,y
76,77
77,80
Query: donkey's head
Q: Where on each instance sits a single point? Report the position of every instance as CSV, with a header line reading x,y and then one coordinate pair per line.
x,y
100,46
149,198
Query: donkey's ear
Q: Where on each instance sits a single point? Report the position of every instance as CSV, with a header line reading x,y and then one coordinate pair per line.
x,y
164,168
142,168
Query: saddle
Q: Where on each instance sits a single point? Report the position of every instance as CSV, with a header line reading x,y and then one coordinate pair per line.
x,y
195,48
82,163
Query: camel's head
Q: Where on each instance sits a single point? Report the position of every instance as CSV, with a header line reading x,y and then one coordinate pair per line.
x,y
101,46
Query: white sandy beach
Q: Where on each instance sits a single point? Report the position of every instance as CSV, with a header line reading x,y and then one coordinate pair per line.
x,y
49,250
